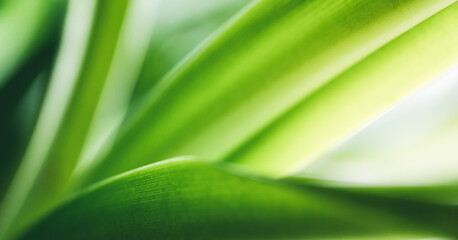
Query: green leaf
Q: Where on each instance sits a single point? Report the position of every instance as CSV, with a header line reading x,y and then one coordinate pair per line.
x,y
269,74
180,27
352,99
415,143
435,193
124,70
189,199
76,85
22,36
20,98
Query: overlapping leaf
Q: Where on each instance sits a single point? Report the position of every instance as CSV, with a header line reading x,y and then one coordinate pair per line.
x,y
355,97
76,85
278,72
275,87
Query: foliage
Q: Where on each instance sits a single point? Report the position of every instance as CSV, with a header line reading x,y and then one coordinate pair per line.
x,y
239,96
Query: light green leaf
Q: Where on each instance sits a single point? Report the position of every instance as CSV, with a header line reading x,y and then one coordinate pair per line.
x,y
189,199
355,97
279,62
415,143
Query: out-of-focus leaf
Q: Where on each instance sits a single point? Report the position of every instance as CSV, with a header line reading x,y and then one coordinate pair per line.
x,y
20,99
25,26
135,35
188,199
180,26
284,62
88,45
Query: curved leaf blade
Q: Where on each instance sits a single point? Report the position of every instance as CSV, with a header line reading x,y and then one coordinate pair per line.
x,y
189,199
